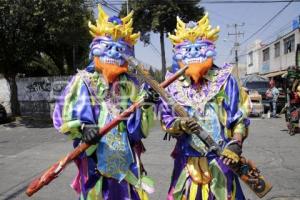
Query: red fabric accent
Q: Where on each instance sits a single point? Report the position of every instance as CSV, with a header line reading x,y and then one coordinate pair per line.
x,y
295,98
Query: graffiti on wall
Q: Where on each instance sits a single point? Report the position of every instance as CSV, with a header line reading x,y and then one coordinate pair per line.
x,y
39,86
35,94
34,88
57,87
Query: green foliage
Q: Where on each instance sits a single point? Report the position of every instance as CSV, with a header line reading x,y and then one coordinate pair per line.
x,y
151,72
156,74
38,32
157,16
43,63
160,17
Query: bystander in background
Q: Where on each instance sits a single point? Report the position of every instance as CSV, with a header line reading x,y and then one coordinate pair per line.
x,y
272,94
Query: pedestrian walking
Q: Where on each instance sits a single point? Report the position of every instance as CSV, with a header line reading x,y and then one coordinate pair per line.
x,y
272,94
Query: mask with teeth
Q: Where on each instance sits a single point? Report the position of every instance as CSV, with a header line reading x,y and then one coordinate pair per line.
x,y
198,56
107,57
112,37
193,46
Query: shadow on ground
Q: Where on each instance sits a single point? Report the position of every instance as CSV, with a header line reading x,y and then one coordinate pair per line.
x,y
30,122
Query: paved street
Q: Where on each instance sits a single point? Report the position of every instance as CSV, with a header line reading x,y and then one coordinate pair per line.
x,y
30,146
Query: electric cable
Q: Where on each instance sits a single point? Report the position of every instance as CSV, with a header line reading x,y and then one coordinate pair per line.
x,y
267,23
120,2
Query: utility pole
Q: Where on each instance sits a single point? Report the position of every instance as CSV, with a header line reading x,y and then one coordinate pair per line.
x,y
236,35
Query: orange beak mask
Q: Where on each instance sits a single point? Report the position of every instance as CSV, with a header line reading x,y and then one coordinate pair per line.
x,y
110,71
197,70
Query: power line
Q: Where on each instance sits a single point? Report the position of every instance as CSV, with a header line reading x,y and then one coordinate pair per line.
x,y
236,34
103,3
111,6
220,16
108,5
277,34
120,2
151,44
270,38
155,49
269,21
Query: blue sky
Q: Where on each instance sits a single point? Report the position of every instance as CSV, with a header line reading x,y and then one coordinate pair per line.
x,y
253,15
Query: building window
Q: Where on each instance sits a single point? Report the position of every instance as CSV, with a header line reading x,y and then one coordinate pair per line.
x,y
289,44
250,56
277,49
266,54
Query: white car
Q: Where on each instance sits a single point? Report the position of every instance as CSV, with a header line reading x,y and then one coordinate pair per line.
x,y
257,107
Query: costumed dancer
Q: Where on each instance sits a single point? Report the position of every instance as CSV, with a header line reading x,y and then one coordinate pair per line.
x,y
215,103
294,106
293,100
111,168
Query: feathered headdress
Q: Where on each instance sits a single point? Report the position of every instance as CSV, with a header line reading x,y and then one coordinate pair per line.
x,y
202,30
114,27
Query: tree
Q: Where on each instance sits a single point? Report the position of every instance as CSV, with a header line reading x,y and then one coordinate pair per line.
x,y
160,17
35,32
151,72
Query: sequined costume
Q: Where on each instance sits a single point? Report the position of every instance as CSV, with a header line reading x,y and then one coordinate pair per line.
x,y
293,100
212,96
112,168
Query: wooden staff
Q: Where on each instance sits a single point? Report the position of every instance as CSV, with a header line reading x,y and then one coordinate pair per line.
x,y
57,168
245,169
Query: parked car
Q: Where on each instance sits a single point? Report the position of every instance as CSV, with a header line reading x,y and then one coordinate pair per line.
x,y
260,85
257,107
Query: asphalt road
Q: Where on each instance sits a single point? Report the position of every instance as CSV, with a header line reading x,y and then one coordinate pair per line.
x,y
28,147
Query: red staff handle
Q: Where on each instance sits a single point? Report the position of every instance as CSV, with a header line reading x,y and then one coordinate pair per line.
x,y
56,168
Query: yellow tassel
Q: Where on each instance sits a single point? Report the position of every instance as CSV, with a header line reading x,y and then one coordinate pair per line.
x,y
205,192
193,191
142,194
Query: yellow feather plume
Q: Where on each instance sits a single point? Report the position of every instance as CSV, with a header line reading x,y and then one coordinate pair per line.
x,y
203,30
117,31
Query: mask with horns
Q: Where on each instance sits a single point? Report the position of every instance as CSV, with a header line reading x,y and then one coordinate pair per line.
x,y
113,37
194,46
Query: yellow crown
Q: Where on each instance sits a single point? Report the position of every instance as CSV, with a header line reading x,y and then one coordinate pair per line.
x,y
202,30
116,31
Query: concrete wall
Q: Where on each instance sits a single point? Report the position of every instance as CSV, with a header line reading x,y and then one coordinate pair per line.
x,y
5,94
36,93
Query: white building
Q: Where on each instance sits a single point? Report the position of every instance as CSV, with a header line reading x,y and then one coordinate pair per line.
x,y
271,60
253,58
